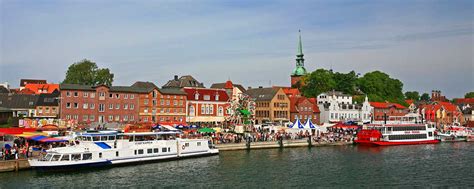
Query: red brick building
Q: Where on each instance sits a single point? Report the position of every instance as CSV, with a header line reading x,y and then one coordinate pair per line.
x,y
206,106
102,104
444,113
389,109
304,108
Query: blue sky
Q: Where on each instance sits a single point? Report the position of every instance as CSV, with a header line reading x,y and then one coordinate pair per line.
x,y
426,44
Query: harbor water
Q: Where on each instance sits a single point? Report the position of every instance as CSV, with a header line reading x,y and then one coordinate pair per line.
x,y
438,165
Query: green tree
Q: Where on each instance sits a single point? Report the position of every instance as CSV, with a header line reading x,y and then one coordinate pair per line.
x,y
412,95
86,72
469,95
380,87
425,97
318,82
345,83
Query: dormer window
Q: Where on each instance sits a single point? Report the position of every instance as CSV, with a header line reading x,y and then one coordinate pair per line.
x,y
196,96
217,96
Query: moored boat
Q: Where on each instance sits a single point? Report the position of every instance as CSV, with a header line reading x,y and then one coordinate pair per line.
x,y
402,130
111,148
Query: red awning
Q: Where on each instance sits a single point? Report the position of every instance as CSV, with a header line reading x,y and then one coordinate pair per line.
x,y
16,130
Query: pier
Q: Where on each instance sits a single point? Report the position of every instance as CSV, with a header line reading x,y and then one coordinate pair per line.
x,y
14,165
277,144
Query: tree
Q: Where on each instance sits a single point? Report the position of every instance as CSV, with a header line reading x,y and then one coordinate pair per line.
x,y
380,87
86,72
412,95
318,82
469,95
425,97
345,83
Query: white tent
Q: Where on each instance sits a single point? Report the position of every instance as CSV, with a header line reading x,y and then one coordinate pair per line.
x,y
310,125
297,125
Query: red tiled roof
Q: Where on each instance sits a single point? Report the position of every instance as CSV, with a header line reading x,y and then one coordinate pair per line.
x,y
449,107
223,97
291,91
386,105
26,91
464,101
409,101
45,88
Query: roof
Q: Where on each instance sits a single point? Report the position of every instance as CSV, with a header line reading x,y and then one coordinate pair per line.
x,y
42,88
18,101
262,94
183,81
336,93
67,86
191,92
48,100
138,87
4,90
173,91
439,104
26,91
464,101
226,86
23,82
409,101
386,105
292,91
149,86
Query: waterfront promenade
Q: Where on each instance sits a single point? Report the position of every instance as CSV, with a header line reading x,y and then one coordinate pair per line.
x,y
276,144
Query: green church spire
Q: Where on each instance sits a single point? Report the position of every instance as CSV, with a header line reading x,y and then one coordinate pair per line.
x,y
299,70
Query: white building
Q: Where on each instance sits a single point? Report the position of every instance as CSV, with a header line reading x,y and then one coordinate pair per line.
x,y
336,106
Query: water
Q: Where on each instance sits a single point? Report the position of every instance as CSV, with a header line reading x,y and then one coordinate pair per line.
x,y
447,164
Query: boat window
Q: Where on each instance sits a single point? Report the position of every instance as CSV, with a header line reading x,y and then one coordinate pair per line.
x,y
100,154
186,144
155,150
96,138
103,138
111,137
164,149
140,151
198,143
65,157
139,138
76,157
87,156
79,138
169,149
430,134
117,153
135,152
149,151
88,138
47,157
56,157
119,137
130,139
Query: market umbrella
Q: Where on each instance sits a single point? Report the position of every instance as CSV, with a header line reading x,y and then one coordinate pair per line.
x,y
206,130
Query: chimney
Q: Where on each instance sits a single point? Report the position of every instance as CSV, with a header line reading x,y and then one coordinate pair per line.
x,y
176,77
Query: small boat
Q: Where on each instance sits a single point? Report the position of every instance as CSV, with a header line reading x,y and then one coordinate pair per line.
x,y
454,133
111,148
400,130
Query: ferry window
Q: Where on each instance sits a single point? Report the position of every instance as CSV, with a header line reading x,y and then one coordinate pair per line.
x,y
103,138
76,157
430,134
119,137
96,138
163,149
169,149
100,154
130,138
135,152
198,143
117,153
56,157
87,156
155,150
47,157
149,151
111,137
140,151
186,144
88,138
65,157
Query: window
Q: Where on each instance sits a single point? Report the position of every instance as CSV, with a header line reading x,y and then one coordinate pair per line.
x,y
76,94
180,102
132,117
85,105
68,94
117,118
92,106
196,96
111,106
132,96
116,154
132,106
167,102
76,157
117,106
203,109
198,143
149,150
125,96
145,101
87,156
117,96
85,94
145,119
85,118
91,117
92,95
162,102
140,151
191,110
164,149
155,150
101,94
154,94
76,105
111,117
101,107
211,109
217,97
175,102
125,118
100,154
207,97
68,105
111,95
207,109
68,116
125,106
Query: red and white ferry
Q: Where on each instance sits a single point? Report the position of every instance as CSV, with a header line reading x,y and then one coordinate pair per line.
x,y
398,130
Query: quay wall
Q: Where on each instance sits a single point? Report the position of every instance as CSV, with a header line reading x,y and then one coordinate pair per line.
x,y
276,144
14,165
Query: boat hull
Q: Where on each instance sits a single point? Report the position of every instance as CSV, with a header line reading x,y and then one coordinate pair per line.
x,y
393,143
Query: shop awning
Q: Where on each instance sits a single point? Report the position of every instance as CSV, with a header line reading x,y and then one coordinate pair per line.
x,y
37,137
16,130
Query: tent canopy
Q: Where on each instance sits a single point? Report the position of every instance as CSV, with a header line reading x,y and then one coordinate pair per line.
x,y
206,130
297,125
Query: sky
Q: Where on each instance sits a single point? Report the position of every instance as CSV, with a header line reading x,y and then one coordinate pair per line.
x,y
426,44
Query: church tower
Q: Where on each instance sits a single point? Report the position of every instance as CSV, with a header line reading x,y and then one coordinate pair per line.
x,y
299,71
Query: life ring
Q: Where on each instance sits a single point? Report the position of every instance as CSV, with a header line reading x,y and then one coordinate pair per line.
x,y
183,147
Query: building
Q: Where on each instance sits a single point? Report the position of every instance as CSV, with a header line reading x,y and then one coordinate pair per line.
x,y
183,81
272,105
4,90
24,82
99,104
303,108
336,106
436,96
442,113
41,88
21,105
382,109
206,106
464,102
299,70
47,105
233,90
5,115
5,85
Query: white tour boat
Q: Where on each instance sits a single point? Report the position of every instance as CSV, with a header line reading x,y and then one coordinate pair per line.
x,y
110,148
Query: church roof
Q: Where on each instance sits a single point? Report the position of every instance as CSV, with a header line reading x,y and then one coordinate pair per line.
x,y
183,81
